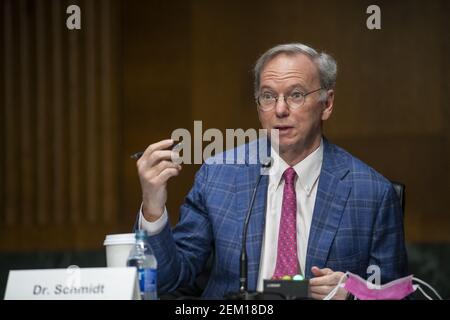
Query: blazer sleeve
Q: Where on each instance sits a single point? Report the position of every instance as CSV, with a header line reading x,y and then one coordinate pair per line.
x,y
182,252
388,244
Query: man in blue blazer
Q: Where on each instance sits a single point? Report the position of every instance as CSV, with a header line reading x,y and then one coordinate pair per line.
x,y
335,213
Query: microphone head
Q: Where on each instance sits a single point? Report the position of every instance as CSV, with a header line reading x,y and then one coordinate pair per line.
x,y
265,166
267,162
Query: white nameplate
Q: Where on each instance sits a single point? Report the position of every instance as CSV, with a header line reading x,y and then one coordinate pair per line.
x,y
73,283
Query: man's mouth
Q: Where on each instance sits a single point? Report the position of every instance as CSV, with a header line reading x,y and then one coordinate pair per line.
x,y
283,129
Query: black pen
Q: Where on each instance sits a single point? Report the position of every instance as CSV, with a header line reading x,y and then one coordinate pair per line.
x,y
139,154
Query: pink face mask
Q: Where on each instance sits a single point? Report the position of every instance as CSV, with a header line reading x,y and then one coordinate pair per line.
x,y
394,290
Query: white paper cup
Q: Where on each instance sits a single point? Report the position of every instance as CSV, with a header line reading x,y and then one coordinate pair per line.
x,y
118,247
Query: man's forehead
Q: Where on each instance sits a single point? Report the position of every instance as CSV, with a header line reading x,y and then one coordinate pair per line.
x,y
290,62
283,67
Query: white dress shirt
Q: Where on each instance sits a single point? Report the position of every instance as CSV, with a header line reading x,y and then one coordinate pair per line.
x,y
154,227
308,171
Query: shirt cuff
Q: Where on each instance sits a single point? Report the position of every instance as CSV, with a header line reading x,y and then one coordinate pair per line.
x,y
155,227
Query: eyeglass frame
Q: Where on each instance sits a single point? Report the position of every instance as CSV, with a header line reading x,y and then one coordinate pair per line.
x,y
285,100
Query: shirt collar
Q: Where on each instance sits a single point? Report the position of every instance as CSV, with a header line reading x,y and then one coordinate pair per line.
x,y
308,170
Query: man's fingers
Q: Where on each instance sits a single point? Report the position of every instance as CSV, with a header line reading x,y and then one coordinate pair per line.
x,y
155,167
155,158
326,271
316,271
166,174
159,155
161,166
317,296
161,145
320,272
321,290
327,280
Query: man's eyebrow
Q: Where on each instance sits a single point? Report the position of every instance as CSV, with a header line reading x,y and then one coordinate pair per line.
x,y
267,87
291,87
299,86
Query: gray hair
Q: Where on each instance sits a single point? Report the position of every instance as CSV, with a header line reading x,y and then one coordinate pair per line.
x,y
325,64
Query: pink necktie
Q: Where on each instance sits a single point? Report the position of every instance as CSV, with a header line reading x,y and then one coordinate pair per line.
x,y
287,262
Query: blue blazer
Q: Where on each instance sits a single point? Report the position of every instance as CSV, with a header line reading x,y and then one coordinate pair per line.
x,y
357,222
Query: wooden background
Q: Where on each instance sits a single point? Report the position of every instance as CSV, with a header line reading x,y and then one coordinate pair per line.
x,y
75,104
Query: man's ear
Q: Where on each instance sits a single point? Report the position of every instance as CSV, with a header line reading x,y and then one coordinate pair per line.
x,y
328,105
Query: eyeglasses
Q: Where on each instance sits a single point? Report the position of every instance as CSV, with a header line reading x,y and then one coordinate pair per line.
x,y
268,100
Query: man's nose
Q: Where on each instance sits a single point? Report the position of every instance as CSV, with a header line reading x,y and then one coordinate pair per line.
x,y
281,107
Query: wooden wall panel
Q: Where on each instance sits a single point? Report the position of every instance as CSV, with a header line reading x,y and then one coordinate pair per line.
x,y
59,150
74,121
42,116
8,121
59,125
157,84
75,104
391,107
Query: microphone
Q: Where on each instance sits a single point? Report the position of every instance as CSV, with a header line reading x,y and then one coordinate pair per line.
x,y
243,272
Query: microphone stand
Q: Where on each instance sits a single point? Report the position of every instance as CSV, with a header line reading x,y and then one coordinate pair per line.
x,y
243,293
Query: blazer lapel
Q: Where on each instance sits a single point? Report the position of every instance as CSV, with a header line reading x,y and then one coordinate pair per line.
x,y
331,198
